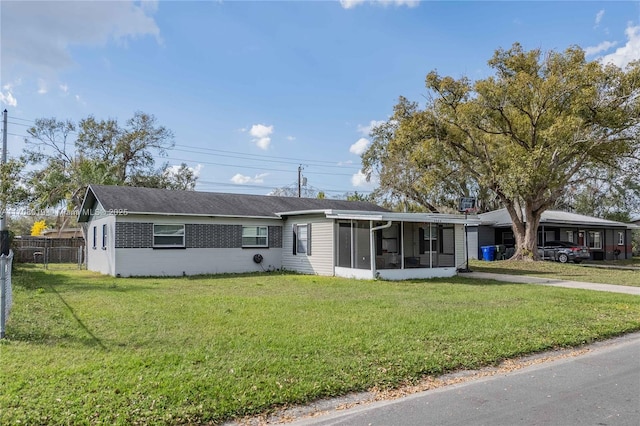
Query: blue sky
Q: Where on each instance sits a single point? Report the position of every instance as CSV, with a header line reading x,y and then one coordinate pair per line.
x,y
251,90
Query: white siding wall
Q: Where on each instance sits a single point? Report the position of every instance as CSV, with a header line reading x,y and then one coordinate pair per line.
x,y
99,259
193,261
321,260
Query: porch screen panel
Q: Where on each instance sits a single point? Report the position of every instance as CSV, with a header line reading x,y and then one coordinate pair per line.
x,y
363,245
344,245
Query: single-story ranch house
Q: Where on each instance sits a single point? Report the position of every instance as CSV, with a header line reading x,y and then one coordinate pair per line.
x,y
156,232
606,239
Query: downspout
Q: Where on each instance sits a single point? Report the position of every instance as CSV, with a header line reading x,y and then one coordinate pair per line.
x,y
372,245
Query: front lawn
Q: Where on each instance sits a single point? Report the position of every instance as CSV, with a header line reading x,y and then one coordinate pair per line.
x,y
563,271
90,349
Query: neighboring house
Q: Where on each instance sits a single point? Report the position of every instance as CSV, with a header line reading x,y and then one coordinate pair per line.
x,y
606,239
155,232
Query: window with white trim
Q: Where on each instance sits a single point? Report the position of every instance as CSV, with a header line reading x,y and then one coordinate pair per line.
x,y
570,236
168,235
620,238
302,239
595,240
95,237
104,236
255,236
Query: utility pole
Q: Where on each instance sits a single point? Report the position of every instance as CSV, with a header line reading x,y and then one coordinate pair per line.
x,y
4,233
300,181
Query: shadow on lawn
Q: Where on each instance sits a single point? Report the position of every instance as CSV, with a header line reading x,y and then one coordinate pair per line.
x,y
45,280
48,282
82,325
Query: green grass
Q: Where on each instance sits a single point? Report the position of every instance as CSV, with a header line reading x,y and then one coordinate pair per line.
x,y
563,271
88,349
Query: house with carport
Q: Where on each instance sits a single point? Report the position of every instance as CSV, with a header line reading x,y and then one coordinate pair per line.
x,y
606,239
156,232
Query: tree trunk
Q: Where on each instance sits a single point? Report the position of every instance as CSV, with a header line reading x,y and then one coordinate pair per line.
x,y
525,230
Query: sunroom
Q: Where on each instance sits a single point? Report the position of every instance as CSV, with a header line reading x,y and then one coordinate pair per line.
x,y
399,246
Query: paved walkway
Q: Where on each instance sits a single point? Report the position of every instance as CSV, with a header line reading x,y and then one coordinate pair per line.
x,y
524,279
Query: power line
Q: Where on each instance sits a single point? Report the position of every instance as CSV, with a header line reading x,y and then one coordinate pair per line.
x,y
21,119
254,186
20,136
238,155
248,167
272,159
261,156
19,124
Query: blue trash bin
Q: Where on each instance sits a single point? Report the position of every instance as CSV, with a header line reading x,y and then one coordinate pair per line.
x,y
489,253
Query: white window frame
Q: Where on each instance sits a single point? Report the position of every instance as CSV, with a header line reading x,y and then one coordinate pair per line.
x,y
570,236
95,237
157,234
253,232
593,240
300,242
620,238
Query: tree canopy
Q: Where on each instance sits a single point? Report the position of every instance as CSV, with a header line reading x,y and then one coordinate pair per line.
x,y
543,123
103,152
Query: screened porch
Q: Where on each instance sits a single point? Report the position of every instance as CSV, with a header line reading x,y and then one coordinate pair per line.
x,y
410,247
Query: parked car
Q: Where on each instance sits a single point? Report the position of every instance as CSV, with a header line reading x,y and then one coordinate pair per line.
x,y
564,251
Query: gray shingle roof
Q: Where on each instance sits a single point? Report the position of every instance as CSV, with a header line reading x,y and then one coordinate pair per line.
x,y
164,201
501,218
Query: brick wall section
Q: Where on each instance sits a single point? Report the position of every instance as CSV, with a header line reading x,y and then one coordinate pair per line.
x,y
134,235
140,235
213,236
275,237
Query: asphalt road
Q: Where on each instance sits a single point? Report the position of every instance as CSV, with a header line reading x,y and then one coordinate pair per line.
x,y
601,387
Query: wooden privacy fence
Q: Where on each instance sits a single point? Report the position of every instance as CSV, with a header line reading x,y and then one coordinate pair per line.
x,y
48,250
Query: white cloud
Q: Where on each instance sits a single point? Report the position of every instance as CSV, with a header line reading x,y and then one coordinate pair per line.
x,y
173,170
350,4
359,147
627,53
64,88
261,135
7,98
41,34
42,86
291,138
602,47
359,180
366,129
599,17
241,179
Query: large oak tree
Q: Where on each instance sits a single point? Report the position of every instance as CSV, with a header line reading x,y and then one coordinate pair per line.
x,y
526,134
